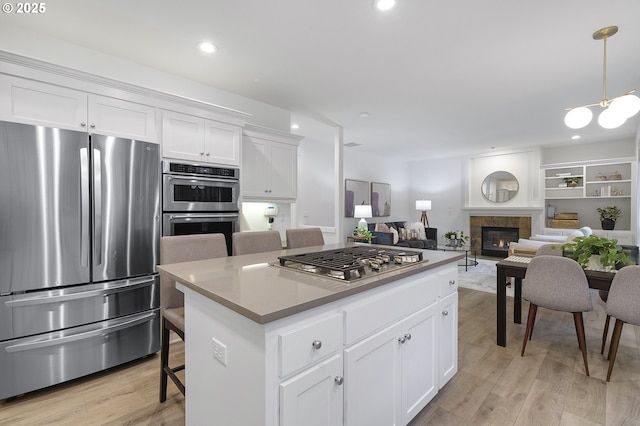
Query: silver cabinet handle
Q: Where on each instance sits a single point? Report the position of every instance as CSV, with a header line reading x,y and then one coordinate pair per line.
x,y
207,154
83,124
339,380
92,125
408,336
452,282
402,339
202,153
445,313
317,344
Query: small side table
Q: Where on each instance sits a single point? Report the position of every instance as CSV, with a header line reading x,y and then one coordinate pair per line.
x,y
467,262
358,239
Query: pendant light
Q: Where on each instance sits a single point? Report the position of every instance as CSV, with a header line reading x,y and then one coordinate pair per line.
x,y
617,110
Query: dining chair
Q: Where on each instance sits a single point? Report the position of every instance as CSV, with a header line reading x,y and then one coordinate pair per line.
x,y
304,237
622,304
549,250
175,249
633,253
558,283
255,242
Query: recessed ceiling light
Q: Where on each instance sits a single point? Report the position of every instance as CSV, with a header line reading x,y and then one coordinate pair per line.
x,y
574,137
207,47
295,126
364,114
384,4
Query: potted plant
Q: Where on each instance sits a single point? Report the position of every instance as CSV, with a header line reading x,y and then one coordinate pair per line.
x,y
572,181
364,233
456,238
608,216
594,252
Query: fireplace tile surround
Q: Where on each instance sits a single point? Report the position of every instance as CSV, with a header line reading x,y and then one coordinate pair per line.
x,y
523,223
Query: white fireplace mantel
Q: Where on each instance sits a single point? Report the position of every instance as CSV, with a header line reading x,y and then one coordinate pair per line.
x,y
502,211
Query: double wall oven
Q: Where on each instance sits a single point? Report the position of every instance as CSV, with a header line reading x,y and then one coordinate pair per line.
x,y
200,199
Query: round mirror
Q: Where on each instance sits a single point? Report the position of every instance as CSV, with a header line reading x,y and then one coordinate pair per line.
x,y
500,187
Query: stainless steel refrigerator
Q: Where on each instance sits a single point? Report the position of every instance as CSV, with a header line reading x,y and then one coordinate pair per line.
x,y
79,241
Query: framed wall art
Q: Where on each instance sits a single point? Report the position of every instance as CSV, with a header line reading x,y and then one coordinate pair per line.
x,y
380,199
355,192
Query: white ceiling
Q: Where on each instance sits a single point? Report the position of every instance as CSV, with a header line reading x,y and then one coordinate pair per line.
x,y
438,78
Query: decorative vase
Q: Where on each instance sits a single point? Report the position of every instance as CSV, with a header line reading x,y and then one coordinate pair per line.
x,y
607,224
596,265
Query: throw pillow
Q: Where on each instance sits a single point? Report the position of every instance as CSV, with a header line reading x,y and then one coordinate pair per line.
x,y
381,227
419,228
396,238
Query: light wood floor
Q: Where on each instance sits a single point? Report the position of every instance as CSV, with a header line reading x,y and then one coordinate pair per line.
x,y
493,386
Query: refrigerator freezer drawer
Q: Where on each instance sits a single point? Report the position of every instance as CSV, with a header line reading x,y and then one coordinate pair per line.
x,y
45,311
39,361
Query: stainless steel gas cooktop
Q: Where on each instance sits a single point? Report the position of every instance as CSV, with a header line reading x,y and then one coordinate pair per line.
x,y
352,263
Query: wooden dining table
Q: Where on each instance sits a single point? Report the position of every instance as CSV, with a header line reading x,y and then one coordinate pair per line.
x,y
506,268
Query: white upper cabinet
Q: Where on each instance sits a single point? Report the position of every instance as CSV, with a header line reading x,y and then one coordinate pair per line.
x,y
200,140
33,102
269,164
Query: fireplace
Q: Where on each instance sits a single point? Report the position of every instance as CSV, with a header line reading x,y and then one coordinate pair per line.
x,y
496,240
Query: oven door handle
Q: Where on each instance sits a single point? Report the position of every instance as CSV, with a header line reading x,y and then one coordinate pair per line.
x,y
196,181
202,216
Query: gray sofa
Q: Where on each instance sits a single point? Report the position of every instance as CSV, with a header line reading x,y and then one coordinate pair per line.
x,y
386,238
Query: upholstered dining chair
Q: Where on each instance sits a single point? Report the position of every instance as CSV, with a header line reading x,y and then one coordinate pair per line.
x,y
174,249
622,304
304,237
549,250
558,283
255,242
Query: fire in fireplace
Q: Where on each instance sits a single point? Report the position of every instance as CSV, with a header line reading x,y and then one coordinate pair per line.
x,y
496,240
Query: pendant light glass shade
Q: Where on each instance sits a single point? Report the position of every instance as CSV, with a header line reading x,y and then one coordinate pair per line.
x,y
577,118
627,105
609,119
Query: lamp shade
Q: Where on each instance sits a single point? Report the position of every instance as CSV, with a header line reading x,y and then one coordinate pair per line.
x,y
611,119
423,205
577,118
627,105
362,211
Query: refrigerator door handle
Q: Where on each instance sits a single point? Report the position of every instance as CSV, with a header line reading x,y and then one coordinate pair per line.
x,y
21,347
97,209
43,300
84,207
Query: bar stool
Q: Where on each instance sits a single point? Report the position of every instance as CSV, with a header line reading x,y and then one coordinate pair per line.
x,y
304,237
175,249
255,242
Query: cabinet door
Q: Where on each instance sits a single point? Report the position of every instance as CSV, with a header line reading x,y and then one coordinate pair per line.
x,y
448,337
221,143
283,170
419,361
182,136
114,117
255,180
372,379
31,102
314,397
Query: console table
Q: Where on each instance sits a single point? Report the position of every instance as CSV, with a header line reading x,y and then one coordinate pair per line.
x,y
505,268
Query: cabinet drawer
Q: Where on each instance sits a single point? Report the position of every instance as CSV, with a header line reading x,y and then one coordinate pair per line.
x,y
448,282
364,318
309,344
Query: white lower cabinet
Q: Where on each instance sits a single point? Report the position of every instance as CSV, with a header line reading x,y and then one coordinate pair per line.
x,y
392,375
374,358
314,397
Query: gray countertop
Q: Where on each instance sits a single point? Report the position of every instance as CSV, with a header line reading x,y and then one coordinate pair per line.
x,y
251,286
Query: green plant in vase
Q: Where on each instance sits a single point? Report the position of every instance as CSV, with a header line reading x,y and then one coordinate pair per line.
x,y
456,238
609,216
364,233
594,252
572,181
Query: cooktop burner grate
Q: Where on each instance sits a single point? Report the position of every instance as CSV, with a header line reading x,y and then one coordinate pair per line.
x,y
347,260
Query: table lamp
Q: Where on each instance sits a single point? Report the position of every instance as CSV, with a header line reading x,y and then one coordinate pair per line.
x,y
363,212
424,205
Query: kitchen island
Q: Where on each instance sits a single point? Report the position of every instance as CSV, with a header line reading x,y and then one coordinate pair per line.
x,y
266,345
